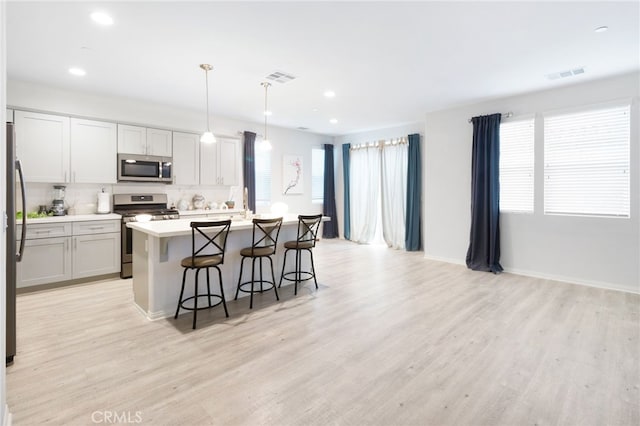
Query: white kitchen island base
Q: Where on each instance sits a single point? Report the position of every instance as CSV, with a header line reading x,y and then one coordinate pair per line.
x,y
158,248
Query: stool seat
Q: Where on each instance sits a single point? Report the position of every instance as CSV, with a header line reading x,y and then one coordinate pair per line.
x,y
201,261
306,240
257,251
299,245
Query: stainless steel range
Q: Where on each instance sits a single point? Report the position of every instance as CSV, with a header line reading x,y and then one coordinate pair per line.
x,y
131,206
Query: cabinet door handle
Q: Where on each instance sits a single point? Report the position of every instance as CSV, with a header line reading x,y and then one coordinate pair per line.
x,y
46,231
65,176
75,244
95,228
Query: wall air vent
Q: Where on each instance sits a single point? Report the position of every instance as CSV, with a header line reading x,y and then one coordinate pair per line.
x,y
565,74
280,77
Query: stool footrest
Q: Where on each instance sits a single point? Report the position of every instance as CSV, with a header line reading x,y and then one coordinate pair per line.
x,y
182,302
304,276
256,284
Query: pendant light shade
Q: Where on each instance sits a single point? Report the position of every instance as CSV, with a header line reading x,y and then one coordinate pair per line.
x,y
207,137
265,145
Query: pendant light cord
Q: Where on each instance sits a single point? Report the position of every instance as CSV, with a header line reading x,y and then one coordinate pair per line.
x,y
206,79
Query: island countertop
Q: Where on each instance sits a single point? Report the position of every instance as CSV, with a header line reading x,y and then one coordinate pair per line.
x,y
177,227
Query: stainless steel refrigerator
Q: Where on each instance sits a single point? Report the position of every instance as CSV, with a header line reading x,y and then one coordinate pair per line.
x,y
14,251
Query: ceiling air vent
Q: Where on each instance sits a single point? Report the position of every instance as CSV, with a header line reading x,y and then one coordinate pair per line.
x,y
302,128
280,77
565,74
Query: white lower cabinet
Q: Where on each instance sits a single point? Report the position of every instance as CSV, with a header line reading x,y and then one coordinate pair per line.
x,y
45,260
96,255
64,251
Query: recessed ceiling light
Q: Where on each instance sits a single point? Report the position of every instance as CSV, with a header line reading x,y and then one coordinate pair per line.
x,y
315,110
77,71
329,94
333,121
268,113
102,18
601,29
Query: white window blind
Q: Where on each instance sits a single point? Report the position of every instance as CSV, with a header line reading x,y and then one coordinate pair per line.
x,y
586,156
263,175
516,165
317,175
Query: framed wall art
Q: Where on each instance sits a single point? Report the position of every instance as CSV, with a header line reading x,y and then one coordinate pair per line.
x,y
292,175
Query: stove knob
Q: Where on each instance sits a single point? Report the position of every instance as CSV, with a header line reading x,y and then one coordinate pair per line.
x,y
165,217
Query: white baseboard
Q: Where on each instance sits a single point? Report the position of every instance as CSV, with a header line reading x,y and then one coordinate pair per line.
x,y
536,274
572,280
445,259
8,417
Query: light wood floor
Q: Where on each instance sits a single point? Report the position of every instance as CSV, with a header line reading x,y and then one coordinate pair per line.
x,y
389,339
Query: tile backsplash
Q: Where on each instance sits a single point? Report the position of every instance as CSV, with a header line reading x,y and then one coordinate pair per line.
x,y
83,198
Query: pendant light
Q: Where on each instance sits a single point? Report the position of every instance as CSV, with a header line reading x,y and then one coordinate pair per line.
x,y
207,137
265,145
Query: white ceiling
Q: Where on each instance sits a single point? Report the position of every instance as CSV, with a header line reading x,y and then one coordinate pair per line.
x,y
388,62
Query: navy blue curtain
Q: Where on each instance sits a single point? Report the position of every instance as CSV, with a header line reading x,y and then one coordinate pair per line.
x,y
347,211
414,190
249,168
329,229
484,244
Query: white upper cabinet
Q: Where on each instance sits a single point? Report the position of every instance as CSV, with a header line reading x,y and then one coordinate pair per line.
x,y
42,145
186,158
132,139
159,142
144,141
220,162
91,141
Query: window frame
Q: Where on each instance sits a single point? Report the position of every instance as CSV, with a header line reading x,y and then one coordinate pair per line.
x,y
622,103
529,118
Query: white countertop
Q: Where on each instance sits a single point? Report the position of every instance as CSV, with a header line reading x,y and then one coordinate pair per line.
x,y
172,228
72,218
210,212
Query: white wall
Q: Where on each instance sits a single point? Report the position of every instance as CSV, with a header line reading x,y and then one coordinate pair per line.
x,y
589,250
370,136
285,142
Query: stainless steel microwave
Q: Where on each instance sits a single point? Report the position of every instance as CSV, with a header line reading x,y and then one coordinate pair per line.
x,y
144,168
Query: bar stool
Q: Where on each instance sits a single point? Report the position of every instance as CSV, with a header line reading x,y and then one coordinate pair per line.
x,y
265,238
306,240
209,255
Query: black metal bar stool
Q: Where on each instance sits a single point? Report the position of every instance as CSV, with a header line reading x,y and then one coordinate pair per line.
x,y
209,255
306,240
265,239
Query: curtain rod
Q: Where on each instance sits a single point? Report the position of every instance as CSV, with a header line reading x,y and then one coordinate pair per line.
x,y
505,115
242,133
380,143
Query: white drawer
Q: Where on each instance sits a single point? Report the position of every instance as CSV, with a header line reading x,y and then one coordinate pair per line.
x,y
96,227
45,230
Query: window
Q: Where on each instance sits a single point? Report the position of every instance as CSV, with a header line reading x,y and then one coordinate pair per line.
x,y
516,166
317,175
263,175
586,162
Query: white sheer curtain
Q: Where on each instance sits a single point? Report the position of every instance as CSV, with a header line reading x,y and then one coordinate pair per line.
x,y
394,192
364,185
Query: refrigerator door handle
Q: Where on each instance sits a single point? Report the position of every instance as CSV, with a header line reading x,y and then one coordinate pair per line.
x,y
24,213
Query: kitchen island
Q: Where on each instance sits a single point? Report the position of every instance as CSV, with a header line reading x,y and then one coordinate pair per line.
x,y
159,246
